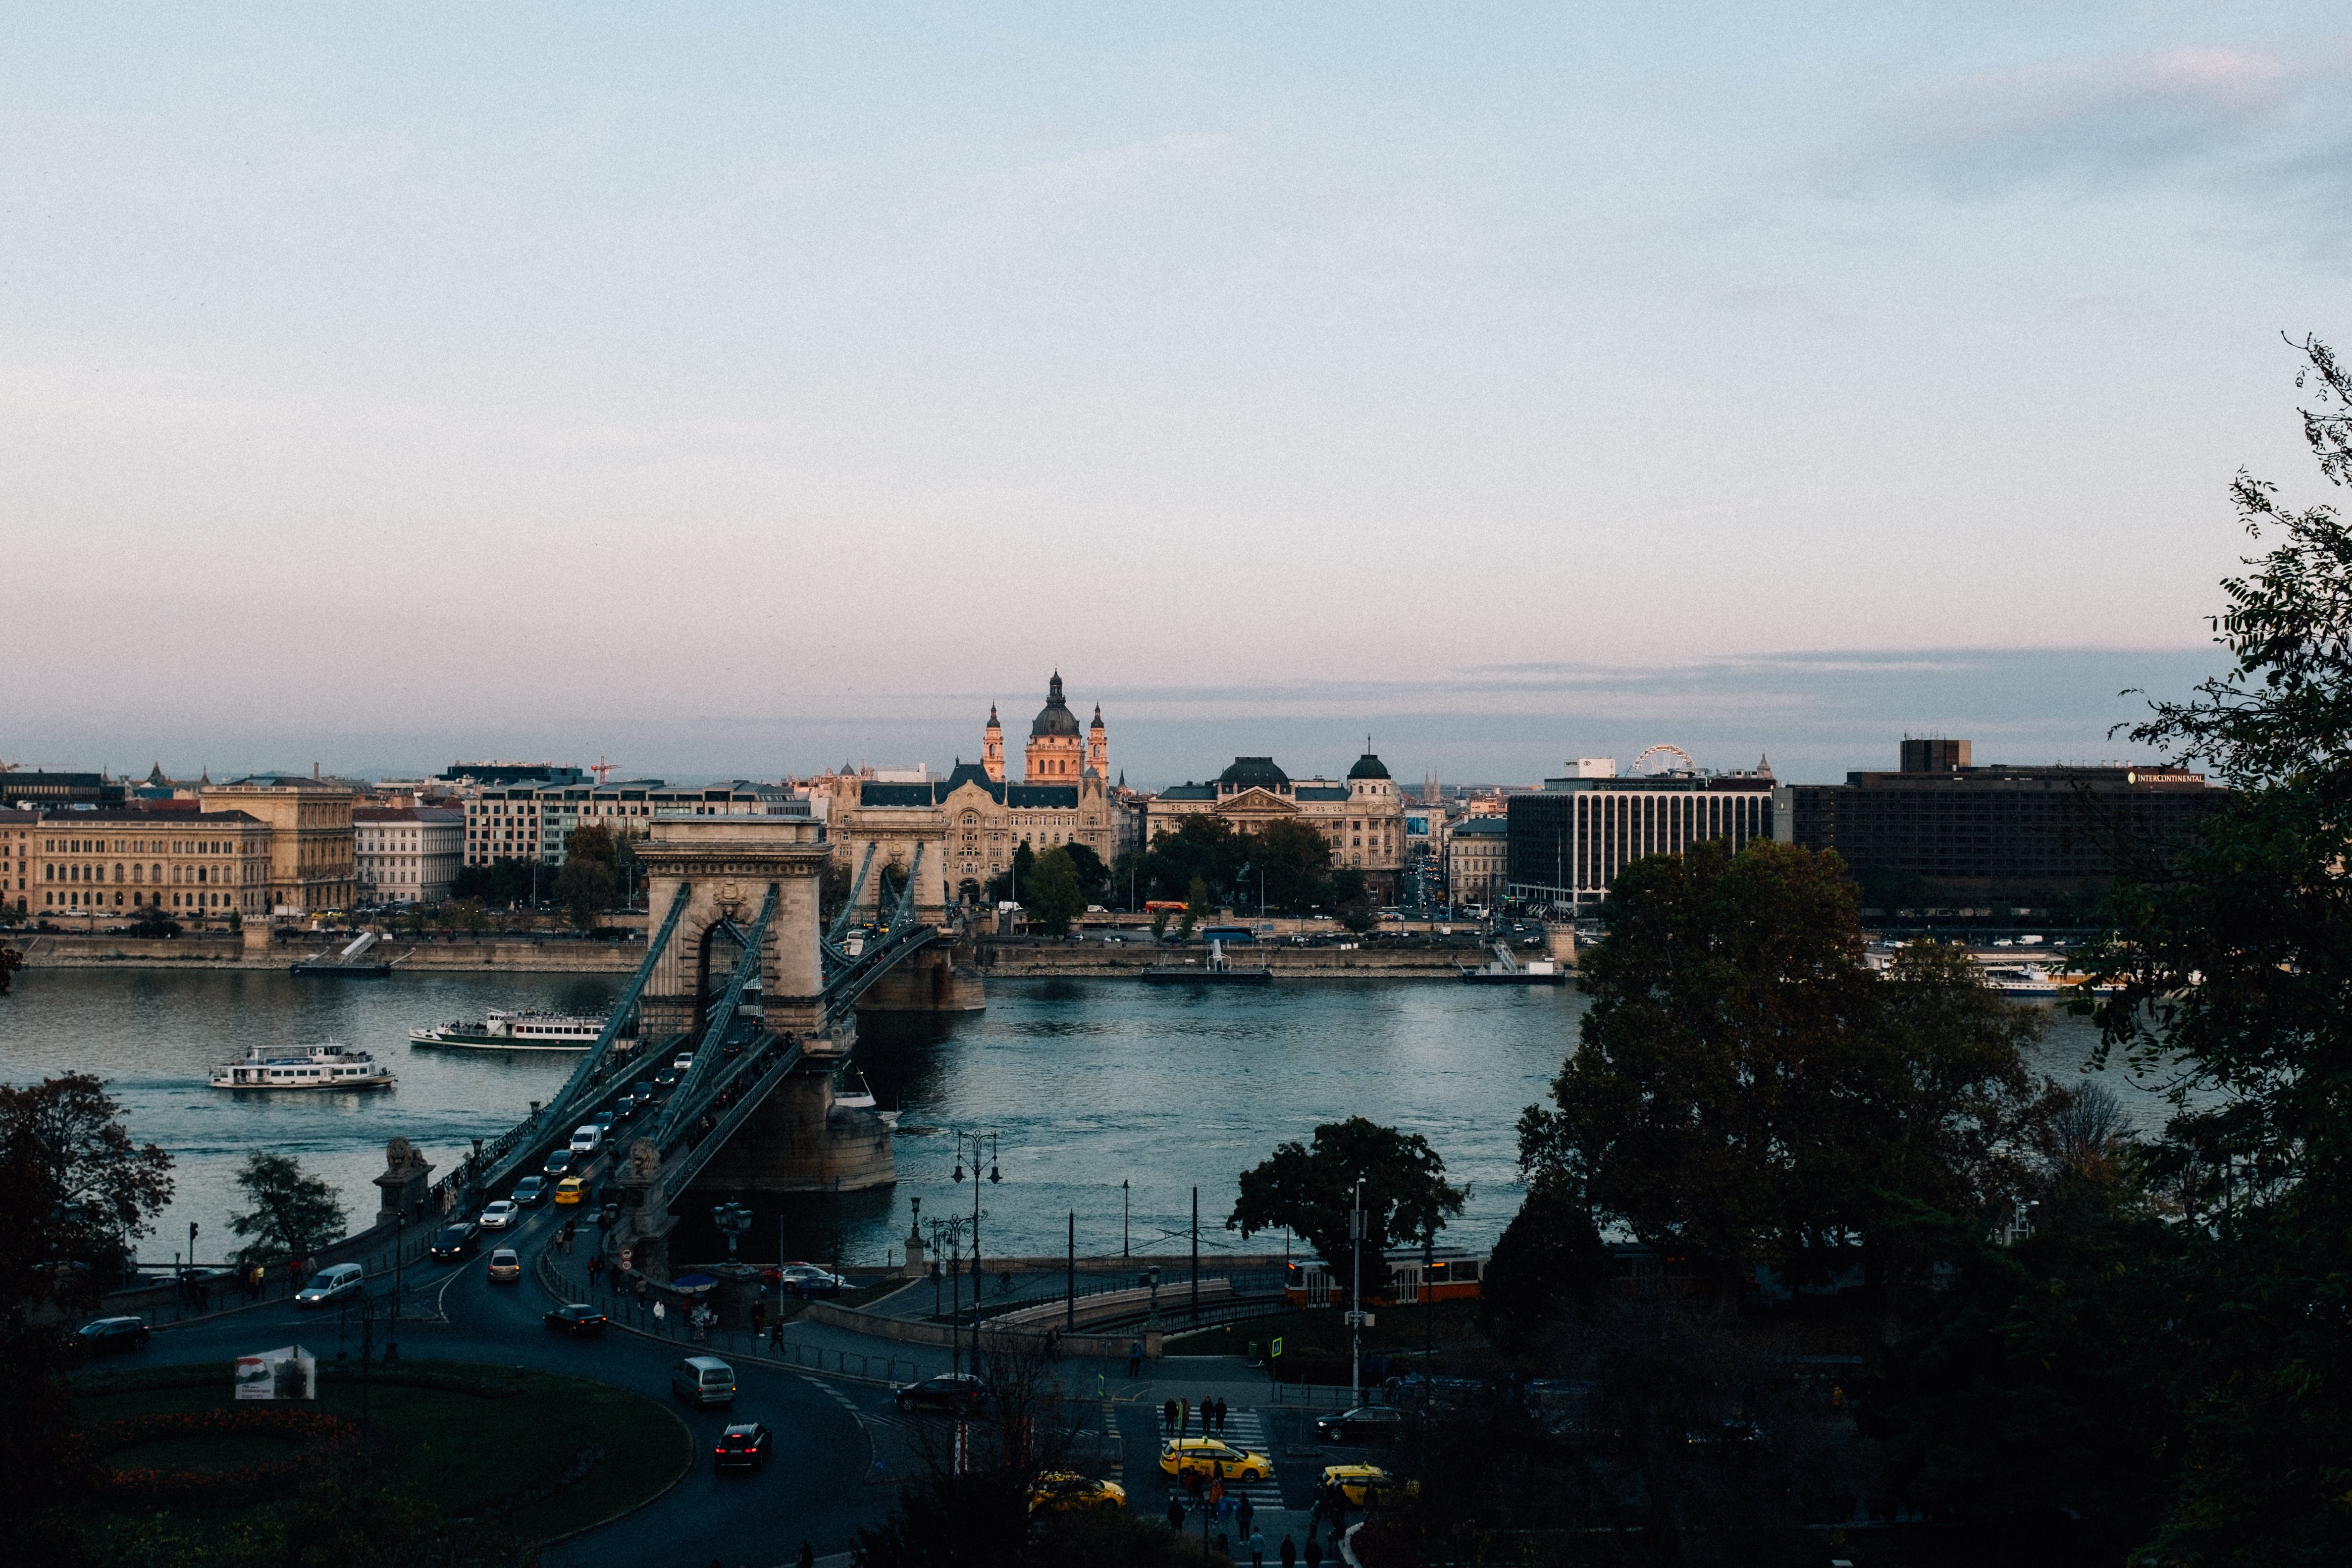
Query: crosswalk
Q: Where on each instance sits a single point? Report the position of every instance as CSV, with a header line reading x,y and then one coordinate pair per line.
x,y
1245,1430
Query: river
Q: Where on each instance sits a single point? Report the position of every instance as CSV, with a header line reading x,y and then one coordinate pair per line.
x,y
1086,1083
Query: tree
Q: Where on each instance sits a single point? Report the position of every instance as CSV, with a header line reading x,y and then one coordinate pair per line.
x,y
1051,895
293,1215
1094,877
1549,1261
1294,861
1312,1190
2233,963
1202,848
1013,885
11,961
1352,900
586,888
75,1194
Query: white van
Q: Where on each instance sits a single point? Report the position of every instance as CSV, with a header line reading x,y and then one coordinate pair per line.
x,y
340,1283
587,1140
703,1380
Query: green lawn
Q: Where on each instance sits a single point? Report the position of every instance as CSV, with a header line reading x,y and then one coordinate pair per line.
x,y
1322,1331
463,1451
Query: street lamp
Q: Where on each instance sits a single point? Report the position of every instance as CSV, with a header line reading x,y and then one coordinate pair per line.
x,y
995,1174
1122,1217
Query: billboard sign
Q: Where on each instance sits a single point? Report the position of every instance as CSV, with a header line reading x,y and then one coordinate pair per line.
x,y
290,1373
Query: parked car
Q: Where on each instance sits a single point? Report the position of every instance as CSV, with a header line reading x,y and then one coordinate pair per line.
x,y
743,1446
340,1283
1365,1423
505,1267
577,1320
501,1214
807,1280
559,1164
956,1393
109,1336
703,1380
530,1192
454,1241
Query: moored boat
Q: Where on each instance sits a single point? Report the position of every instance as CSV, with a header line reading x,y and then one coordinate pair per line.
x,y
305,1067
1218,971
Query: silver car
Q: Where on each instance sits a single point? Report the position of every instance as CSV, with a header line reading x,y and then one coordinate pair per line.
x,y
340,1283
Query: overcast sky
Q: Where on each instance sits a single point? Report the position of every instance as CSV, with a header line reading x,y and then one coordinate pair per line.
x,y
737,389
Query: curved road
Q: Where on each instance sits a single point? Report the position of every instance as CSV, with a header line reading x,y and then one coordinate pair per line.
x,y
818,1486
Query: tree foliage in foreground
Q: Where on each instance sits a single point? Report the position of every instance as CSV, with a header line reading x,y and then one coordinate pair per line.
x,y
293,1215
1311,1189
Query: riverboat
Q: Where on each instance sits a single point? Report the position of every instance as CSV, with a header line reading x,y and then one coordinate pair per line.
x,y
308,1066
854,1093
348,964
1218,971
525,1031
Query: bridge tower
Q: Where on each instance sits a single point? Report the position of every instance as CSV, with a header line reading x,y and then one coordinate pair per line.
x,y
729,863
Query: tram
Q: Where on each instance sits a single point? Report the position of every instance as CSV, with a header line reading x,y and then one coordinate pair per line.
x,y
1451,1274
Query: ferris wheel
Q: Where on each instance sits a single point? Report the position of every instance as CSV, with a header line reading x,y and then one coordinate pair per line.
x,y
1663,758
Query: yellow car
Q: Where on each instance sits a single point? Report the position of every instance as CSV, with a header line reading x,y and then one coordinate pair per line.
x,y
1062,1492
1209,1458
1368,1486
570,1190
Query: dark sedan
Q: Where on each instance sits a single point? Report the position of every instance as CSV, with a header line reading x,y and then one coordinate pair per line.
x,y
577,1320
1365,1423
957,1393
743,1446
453,1242
108,1335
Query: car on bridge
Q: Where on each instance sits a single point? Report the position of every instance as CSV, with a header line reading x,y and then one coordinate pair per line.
x,y
743,1446
505,1267
602,1120
1209,1459
340,1283
558,1166
106,1336
683,1061
955,1392
571,1190
500,1215
577,1320
587,1138
665,1078
453,1242
642,1092
530,1192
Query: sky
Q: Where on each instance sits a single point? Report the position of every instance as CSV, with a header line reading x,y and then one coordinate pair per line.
x,y
741,389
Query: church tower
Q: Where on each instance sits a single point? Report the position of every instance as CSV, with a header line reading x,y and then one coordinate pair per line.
x,y
1056,752
991,748
1098,747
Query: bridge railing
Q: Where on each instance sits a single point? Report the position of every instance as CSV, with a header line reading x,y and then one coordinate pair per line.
x,y
766,1066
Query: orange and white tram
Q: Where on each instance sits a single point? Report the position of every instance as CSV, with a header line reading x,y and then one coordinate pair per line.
x,y
1453,1274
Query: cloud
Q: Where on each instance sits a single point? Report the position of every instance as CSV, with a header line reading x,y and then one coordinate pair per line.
x,y
2253,121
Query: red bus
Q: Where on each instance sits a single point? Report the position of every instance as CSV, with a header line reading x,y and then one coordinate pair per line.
x,y
1154,906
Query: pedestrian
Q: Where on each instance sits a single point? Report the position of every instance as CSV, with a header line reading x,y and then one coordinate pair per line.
x,y
1248,1513
776,1334
1289,1551
1176,1514
1134,1358
1221,1415
807,1558
1314,1551
759,1317
1168,1415
1183,1418
1257,1549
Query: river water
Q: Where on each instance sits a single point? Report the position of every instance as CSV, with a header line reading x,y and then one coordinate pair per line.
x,y
1086,1083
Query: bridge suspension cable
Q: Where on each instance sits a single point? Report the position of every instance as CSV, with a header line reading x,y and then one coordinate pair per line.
x,y
686,1099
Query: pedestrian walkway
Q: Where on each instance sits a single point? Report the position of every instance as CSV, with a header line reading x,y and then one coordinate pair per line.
x,y
1245,1430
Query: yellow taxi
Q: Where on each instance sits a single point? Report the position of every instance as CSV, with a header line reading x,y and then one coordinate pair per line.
x,y
1209,1458
571,1190
1368,1486
1065,1491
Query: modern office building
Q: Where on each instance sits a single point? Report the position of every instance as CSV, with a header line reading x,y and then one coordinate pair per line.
x,y
1569,840
48,791
527,822
1941,830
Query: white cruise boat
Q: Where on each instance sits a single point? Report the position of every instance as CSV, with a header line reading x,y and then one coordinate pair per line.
x,y
854,1093
305,1067
515,1032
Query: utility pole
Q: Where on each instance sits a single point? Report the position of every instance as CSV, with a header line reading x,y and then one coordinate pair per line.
x,y
1356,1301
1196,1257
1070,1314
1122,1217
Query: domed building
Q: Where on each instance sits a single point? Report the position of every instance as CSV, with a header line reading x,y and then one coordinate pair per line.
x,y
1360,817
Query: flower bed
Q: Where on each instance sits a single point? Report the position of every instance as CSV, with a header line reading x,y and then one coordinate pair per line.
x,y
320,1437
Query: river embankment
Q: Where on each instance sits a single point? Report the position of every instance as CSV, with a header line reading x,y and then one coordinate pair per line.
x,y
227,950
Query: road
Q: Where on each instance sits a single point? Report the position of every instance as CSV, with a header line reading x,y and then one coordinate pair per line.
x,y
820,1487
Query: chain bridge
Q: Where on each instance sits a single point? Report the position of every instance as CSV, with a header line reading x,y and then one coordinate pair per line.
x,y
741,973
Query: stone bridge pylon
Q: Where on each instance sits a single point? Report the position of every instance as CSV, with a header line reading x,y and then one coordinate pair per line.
x,y
729,864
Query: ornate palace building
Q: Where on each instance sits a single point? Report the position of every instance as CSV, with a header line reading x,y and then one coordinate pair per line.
x,y
969,824
1361,818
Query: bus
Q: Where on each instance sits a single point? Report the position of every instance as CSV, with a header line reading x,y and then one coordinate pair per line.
x,y
1451,1273
1154,906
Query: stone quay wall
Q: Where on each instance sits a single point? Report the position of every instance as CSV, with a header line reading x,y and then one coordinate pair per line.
x,y
228,951
1013,959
